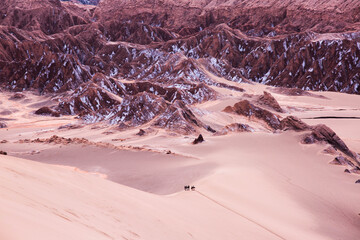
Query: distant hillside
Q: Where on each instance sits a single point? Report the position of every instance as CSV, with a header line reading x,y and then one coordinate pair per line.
x,y
86,2
168,53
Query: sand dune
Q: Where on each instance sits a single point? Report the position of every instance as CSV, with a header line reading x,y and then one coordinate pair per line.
x,y
55,203
256,185
258,190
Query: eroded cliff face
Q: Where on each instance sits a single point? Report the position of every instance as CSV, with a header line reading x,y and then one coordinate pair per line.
x,y
122,60
252,17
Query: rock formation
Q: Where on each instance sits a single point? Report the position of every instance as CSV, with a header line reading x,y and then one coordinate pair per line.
x,y
17,96
341,160
293,123
133,62
269,101
3,125
177,117
235,127
247,109
141,132
47,111
199,139
324,133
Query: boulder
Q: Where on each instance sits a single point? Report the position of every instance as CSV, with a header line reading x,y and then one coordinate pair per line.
x,y
322,132
141,132
355,170
199,139
293,123
17,96
330,150
3,125
46,111
308,139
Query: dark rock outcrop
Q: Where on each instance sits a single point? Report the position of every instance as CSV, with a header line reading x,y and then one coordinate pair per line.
x,y
269,101
247,109
355,170
141,132
341,160
235,127
293,123
17,96
3,125
47,112
199,139
324,133
308,139
57,140
330,150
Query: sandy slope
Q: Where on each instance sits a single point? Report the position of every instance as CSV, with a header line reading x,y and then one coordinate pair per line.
x,y
147,171
268,193
50,202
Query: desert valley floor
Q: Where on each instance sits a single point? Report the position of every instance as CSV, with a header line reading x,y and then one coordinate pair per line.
x,y
63,179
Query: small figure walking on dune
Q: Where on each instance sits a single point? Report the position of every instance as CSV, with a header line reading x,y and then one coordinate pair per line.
x,y
187,188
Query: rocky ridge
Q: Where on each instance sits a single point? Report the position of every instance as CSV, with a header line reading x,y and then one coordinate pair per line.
x,y
312,134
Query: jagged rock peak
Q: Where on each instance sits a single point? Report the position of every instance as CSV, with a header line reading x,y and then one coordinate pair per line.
x,y
247,13
247,109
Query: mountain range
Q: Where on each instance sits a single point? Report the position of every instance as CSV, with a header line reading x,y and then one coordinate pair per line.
x,y
130,62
